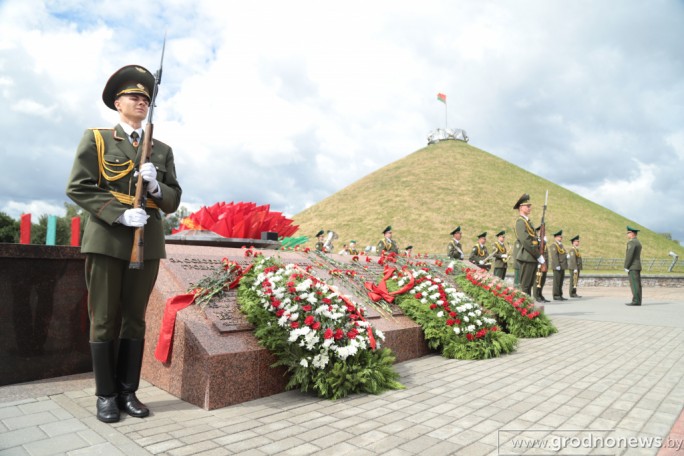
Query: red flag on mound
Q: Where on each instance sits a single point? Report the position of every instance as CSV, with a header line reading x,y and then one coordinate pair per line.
x,y
238,220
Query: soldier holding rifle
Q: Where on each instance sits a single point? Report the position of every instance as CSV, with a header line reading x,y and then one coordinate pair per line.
x,y
454,249
559,259
574,265
529,254
479,255
500,255
541,275
103,182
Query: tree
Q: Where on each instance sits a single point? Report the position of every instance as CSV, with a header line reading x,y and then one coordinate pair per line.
x,y
9,229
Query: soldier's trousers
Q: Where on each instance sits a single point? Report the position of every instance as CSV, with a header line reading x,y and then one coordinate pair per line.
x,y
558,277
500,273
527,271
117,297
635,286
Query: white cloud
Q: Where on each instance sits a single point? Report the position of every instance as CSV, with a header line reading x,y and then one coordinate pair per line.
x,y
286,103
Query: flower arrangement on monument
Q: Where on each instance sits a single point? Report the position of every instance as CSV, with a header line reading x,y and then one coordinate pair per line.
x,y
513,308
318,334
451,321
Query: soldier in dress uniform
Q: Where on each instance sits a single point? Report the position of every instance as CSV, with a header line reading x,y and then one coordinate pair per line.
x,y
479,253
103,181
633,265
528,254
408,251
574,266
559,260
454,249
320,243
387,244
540,278
500,255
352,250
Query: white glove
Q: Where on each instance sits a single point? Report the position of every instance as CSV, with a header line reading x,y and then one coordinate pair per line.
x,y
557,268
504,256
481,262
575,271
133,217
626,270
568,256
541,260
149,175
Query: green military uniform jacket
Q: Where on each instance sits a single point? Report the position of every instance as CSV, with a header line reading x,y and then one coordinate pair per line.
x,y
90,189
478,254
575,259
500,250
559,257
633,255
528,252
455,251
387,246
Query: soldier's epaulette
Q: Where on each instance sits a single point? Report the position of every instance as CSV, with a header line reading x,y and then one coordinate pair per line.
x,y
113,130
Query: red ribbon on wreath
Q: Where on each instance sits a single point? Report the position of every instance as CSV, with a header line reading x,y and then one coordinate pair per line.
x,y
174,305
379,291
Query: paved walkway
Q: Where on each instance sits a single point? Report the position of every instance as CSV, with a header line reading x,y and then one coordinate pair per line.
x,y
613,377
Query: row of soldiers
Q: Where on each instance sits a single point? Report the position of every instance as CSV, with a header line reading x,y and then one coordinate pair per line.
x,y
530,260
386,244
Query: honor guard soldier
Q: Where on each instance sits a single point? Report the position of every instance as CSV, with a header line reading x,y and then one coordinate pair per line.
x,y
633,265
408,251
320,244
352,250
387,244
559,260
454,249
528,254
479,254
103,182
575,266
540,279
500,253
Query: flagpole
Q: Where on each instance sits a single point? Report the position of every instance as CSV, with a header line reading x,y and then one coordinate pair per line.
x,y
445,116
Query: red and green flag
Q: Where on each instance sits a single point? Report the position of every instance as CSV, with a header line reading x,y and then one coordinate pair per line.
x,y
441,97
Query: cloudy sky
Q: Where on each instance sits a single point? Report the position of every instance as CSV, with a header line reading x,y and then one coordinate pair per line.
x,y
287,102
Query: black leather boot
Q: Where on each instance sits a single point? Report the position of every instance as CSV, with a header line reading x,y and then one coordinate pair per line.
x,y
128,377
105,384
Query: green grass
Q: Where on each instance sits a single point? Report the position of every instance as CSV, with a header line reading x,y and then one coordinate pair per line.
x,y
428,193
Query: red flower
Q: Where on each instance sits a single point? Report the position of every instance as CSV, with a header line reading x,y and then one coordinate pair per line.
x,y
294,325
279,313
306,308
469,336
450,322
275,303
355,258
481,333
368,259
433,306
419,295
494,328
352,333
339,334
307,250
328,334
308,321
316,326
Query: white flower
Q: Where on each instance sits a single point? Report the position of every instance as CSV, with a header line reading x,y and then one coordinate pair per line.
x,y
440,314
466,319
470,328
457,330
478,322
304,363
321,360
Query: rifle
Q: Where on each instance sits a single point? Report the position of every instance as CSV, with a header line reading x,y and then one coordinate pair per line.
x,y
542,268
137,251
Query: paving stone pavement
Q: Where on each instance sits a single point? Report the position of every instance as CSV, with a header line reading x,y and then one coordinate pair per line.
x,y
613,375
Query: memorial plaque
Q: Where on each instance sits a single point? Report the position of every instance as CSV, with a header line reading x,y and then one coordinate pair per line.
x,y
215,360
